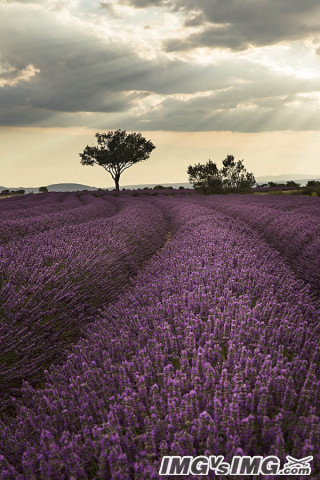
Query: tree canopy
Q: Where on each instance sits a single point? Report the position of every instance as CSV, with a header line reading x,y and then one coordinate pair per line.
x,y
116,151
206,177
232,177
313,183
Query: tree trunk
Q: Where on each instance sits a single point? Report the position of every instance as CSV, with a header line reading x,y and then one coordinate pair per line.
x,y
116,181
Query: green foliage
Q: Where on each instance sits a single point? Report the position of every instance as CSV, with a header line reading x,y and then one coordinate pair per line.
x,y
274,184
231,178
292,184
311,191
116,151
20,191
206,178
313,183
235,176
43,189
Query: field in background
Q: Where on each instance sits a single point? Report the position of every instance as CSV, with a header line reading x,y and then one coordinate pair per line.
x,y
156,323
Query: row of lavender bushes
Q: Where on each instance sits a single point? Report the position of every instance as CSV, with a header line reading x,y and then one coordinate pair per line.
x,y
52,283
51,213
289,224
214,350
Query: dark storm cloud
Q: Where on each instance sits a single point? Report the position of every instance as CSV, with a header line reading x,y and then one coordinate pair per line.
x,y
147,3
195,20
202,114
237,24
108,7
60,73
76,72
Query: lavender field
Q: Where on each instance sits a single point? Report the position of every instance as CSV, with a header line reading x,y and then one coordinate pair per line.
x,y
150,325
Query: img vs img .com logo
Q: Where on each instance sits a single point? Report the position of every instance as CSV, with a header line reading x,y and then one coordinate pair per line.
x,y
245,465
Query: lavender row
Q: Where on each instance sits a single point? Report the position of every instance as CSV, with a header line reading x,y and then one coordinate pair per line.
x,y
26,205
72,211
294,232
289,203
215,350
52,283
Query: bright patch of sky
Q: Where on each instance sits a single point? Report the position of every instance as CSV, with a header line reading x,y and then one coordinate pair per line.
x,y
299,59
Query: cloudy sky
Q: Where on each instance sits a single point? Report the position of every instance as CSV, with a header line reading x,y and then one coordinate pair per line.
x,y
200,78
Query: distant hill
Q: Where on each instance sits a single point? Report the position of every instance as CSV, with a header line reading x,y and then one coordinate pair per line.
x,y
69,187
73,187
303,179
151,185
300,178
55,187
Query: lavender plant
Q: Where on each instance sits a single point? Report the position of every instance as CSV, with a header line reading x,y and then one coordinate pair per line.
x,y
214,349
52,283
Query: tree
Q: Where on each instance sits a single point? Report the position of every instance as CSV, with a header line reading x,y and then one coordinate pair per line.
x,y
206,178
235,176
292,184
313,183
43,189
117,151
232,177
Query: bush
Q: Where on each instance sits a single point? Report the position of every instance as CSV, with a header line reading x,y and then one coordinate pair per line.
x,y
311,191
231,178
313,183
